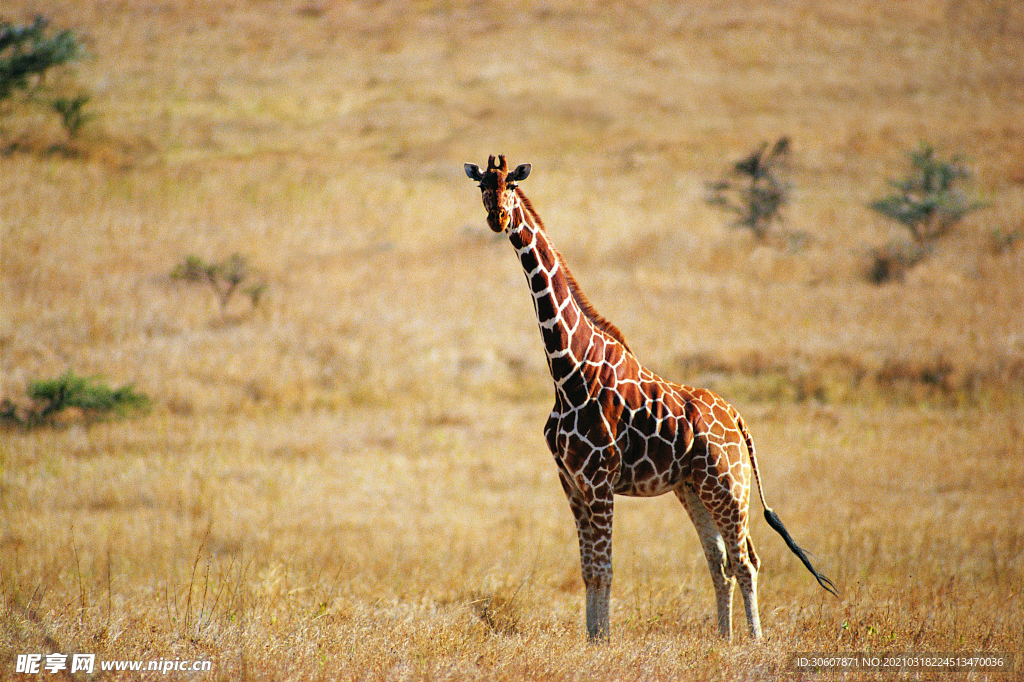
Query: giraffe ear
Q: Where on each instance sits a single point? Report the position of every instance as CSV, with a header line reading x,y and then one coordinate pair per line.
x,y
473,172
520,173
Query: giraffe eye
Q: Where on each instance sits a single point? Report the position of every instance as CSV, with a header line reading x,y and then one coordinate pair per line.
x,y
512,185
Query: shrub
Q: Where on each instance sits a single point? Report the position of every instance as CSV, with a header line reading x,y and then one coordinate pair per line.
x,y
930,200
28,55
92,399
755,189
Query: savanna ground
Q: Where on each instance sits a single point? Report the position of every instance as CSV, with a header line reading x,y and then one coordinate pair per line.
x,y
349,481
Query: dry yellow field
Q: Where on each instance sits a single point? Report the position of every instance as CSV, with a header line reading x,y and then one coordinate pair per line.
x,y
349,480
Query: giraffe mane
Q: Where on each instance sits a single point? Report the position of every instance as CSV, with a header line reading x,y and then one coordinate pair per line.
x,y
589,311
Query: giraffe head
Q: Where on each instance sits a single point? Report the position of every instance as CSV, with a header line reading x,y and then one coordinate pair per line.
x,y
497,187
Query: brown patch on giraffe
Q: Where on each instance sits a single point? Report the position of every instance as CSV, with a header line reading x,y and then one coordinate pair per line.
x,y
565,367
721,413
580,341
545,310
630,392
529,261
571,317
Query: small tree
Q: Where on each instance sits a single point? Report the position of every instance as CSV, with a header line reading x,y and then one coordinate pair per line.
x,y
28,55
229,276
930,201
755,190
70,110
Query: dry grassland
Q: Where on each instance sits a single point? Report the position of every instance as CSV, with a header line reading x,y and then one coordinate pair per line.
x,y
350,482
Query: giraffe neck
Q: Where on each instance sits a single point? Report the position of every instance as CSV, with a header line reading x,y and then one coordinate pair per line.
x,y
575,336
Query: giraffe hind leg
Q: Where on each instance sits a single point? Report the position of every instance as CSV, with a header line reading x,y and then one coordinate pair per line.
x,y
746,576
715,553
742,559
725,495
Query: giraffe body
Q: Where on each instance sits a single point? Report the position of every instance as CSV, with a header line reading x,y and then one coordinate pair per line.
x,y
618,428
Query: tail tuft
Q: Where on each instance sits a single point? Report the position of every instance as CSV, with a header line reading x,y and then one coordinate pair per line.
x,y
773,520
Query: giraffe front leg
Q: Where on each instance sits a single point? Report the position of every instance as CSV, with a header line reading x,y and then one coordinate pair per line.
x,y
594,527
598,611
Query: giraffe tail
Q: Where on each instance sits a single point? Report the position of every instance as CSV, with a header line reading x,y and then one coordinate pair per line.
x,y
773,519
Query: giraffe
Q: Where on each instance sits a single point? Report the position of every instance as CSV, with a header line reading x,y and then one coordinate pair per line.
x,y
616,428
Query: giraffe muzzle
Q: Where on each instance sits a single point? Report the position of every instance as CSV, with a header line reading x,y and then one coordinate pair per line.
x,y
498,221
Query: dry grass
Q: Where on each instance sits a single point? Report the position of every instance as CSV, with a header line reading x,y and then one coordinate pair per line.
x,y
350,481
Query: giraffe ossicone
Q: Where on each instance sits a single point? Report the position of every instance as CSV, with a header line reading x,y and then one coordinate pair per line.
x,y
618,429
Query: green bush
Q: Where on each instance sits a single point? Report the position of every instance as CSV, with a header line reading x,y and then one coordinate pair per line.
x,y
28,56
50,397
930,200
755,189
